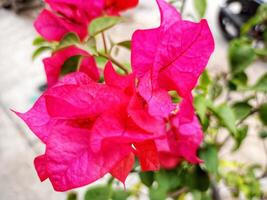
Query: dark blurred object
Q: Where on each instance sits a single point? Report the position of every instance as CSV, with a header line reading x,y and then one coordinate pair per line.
x,y
21,5
42,87
234,13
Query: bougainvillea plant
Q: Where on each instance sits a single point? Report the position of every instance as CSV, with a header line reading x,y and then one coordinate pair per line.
x,y
91,128
99,116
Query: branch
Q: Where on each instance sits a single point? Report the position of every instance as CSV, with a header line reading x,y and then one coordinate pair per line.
x,y
182,7
108,57
178,192
104,42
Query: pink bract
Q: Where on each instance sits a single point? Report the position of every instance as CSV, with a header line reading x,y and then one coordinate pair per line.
x,y
87,131
173,56
54,64
184,137
67,16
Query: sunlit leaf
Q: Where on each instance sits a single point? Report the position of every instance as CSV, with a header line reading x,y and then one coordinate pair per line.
x,y
226,116
240,136
101,24
201,107
90,46
68,40
38,41
200,6
39,51
261,84
125,44
210,156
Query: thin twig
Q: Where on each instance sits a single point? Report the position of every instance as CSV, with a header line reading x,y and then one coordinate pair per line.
x,y
108,57
265,150
182,7
104,42
178,192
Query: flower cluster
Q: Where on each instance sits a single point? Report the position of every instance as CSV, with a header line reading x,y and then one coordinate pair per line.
x,y
74,16
92,128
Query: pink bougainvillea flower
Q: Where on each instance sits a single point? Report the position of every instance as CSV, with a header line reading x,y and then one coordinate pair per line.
x,y
69,162
88,130
173,56
54,64
67,16
54,28
183,139
116,6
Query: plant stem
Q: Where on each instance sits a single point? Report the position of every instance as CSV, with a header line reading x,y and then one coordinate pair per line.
x,y
215,191
108,57
104,42
178,192
182,7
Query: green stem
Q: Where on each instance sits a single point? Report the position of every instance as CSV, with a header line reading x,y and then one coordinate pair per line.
x,y
108,57
182,7
104,42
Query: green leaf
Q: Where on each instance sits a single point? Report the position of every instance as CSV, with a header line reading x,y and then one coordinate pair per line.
x,y
241,55
98,193
261,85
147,178
197,179
119,194
201,107
263,113
210,156
261,52
71,65
101,61
204,82
238,81
101,24
157,194
226,116
38,41
241,109
90,46
39,51
216,90
200,6
263,134
241,136
72,196
68,40
126,44
168,179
